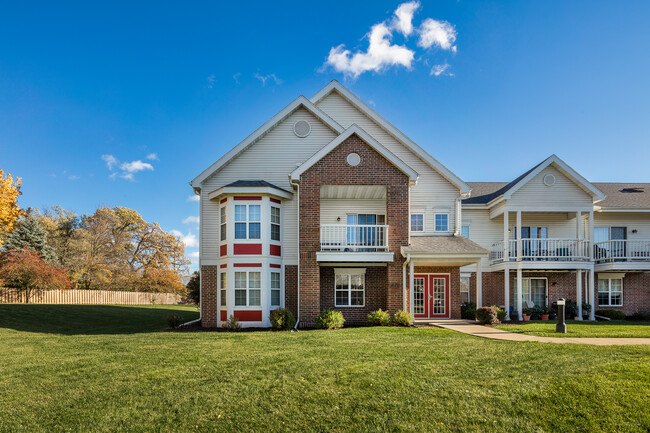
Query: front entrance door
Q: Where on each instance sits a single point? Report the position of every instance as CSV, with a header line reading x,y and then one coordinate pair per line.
x,y
431,296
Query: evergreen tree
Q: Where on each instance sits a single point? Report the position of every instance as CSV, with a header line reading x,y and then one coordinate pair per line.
x,y
194,288
30,235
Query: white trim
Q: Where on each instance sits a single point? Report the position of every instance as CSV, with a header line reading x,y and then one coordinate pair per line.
x,y
301,101
350,271
355,129
609,292
342,256
424,219
435,214
396,133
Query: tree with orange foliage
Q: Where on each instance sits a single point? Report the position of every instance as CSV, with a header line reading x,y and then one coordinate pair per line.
x,y
9,209
27,271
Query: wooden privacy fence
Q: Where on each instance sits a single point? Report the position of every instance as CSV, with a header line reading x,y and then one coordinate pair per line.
x,y
88,297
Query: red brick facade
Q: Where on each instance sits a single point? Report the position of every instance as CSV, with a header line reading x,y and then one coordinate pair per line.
x,y
291,288
376,293
636,293
209,292
333,169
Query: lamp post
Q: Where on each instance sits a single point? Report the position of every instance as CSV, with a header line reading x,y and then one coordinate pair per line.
x,y
561,323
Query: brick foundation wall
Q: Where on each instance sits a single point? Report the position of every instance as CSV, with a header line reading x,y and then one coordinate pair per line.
x,y
333,169
376,294
454,285
291,288
209,292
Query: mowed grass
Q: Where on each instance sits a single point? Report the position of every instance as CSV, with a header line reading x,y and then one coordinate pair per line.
x,y
360,379
613,329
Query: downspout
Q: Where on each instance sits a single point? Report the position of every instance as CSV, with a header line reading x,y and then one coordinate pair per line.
x,y
408,258
297,184
459,217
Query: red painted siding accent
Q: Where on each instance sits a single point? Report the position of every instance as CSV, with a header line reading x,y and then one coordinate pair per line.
x,y
238,197
223,250
248,248
224,315
273,265
223,200
225,265
276,250
275,200
249,316
247,265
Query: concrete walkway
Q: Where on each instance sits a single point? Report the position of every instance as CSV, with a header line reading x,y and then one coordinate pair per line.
x,y
472,328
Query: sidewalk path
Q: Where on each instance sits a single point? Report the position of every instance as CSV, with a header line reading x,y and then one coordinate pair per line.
x,y
472,328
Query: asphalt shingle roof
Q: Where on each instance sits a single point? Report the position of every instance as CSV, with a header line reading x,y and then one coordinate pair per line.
x,y
254,183
443,245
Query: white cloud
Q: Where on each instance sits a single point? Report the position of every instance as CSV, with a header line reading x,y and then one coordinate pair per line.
x,y
194,198
152,157
403,21
265,78
380,55
236,77
191,220
438,70
211,81
193,255
110,161
74,177
190,239
438,33
135,166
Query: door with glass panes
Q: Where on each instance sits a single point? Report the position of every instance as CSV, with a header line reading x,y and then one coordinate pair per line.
x,y
431,296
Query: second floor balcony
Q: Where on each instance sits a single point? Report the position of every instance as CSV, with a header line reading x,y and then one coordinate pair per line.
x,y
622,250
354,238
541,250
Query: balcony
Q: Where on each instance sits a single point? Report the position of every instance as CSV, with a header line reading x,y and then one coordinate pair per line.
x,y
542,250
354,242
627,250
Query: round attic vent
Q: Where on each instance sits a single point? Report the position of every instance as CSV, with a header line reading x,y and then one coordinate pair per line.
x,y
301,128
549,180
354,159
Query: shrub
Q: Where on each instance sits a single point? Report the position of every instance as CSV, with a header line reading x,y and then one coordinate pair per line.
x,y
403,318
468,311
538,310
527,311
232,324
379,318
329,319
639,316
281,318
612,314
570,309
501,313
487,316
174,321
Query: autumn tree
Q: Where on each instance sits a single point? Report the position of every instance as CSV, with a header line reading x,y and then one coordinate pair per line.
x,y
62,228
26,271
28,234
9,209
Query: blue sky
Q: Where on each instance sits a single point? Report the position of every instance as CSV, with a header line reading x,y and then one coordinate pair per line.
x,y
167,88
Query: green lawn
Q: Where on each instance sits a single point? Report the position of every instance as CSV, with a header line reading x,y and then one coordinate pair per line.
x,y
363,379
574,328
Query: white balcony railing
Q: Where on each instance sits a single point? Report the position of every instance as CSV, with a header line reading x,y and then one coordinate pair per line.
x,y
622,251
543,250
366,238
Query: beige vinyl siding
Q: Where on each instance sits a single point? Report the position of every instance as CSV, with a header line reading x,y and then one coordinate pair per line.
x,y
565,192
432,189
633,221
271,158
331,209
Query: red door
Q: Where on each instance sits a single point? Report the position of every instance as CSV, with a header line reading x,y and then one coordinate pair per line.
x,y
431,296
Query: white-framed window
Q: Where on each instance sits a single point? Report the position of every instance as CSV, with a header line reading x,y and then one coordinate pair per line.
x,y
441,222
248,221
224,289
610,292
248,289
464,289
276,289
349,287
223,223
417,222
275,223
535,291
464,230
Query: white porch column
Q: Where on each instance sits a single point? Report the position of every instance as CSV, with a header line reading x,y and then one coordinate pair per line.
x,y
505,236
592,295
506,288
411,283
479,286
520,295
519,237
579,292
404,287
579,224
591,239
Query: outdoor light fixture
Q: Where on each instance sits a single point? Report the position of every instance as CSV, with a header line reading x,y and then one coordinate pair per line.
x,y
338,218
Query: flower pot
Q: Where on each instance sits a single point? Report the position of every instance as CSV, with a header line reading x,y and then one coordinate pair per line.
x,y
526,317
544,316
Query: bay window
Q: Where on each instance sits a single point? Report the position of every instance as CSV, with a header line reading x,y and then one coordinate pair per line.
x,y
275,223
248,289
223,289
275,289
247,221
223,223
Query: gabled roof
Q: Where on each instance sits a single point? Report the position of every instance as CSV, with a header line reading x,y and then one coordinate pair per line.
x,y
250,187
491,191
301,101
392,130
254,184
354,129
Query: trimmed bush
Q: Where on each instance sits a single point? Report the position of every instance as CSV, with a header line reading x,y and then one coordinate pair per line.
x,y
329,319
403,318
501,313
570,309
612,314
281,318
487,316
174,321
232,324
468,311
379,318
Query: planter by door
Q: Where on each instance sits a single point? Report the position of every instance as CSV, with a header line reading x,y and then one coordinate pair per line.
x,y
431,296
